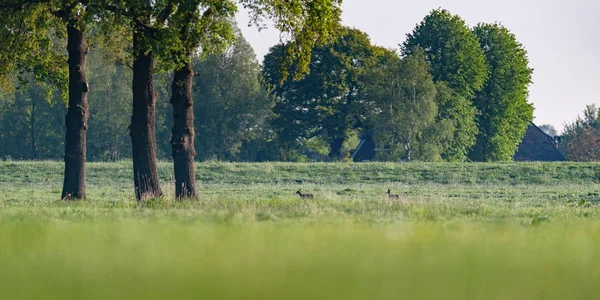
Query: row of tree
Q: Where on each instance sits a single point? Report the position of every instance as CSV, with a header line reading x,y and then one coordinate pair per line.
x,y
452,93
230,122
148,36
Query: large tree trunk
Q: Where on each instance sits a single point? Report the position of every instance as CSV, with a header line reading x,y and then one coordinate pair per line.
x,y
142,129
77,115
182,141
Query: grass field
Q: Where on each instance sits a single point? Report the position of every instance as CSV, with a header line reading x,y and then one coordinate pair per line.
x,y
460,231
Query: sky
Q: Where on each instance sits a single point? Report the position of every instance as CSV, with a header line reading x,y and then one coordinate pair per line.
x,y
562,39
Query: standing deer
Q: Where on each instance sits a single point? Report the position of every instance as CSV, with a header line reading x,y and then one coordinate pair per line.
x,y
304,196
392,196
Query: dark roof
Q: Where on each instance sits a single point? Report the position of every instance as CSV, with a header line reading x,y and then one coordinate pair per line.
x,y
537,146
365,150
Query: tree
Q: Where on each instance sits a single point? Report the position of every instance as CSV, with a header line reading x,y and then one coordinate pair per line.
x,y
234,104
167,32
454,120
458,61
31,28
29,44
453,51
504,110
405,109
202,25
30,122
584,145
326,102
548,129
108,140
581,138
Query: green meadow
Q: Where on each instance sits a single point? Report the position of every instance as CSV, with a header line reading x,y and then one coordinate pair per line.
x,y
458,231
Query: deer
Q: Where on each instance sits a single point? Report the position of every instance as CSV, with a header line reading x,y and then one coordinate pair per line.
x,y
392,196
304,196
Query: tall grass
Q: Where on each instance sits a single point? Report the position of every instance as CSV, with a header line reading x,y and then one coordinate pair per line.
x,y
460,231
423,260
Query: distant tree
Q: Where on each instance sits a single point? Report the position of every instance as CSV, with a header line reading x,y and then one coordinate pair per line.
x,y
30,122
581,138
458,61
548,129
233,105
405,108
108,138
583,145
453,111
326,103
504,110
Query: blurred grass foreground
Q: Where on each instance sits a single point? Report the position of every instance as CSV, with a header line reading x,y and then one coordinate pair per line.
x,y
488,231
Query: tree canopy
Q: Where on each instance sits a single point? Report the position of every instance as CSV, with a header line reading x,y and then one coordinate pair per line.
x,y
504,109
327,102
450,93
233,106
457,61
31,35
405,107
453,51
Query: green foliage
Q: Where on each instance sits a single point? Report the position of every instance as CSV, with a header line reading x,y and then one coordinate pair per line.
x,y
405,108
324,111
458,61
304,24
175,29
204,24
327,102
232,107
455,124
110,108
31,123
452,50
231,99
32,43
504,110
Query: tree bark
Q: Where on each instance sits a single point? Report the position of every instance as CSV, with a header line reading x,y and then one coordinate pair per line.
x,y
182,140
77,115
142,128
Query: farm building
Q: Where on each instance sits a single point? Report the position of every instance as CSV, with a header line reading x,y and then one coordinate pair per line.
x,y
538,146
535,146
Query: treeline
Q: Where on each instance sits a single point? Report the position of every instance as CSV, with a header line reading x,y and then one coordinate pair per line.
x,y
452,93
231,111
48,42
449,93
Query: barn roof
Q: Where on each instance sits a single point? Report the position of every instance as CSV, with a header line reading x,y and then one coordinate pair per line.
x,y
365,150
537,146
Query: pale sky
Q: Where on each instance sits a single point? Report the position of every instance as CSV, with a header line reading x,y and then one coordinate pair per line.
x,y
562,38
